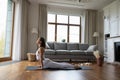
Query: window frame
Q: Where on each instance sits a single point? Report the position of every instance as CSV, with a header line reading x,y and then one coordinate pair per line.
x,y
68,25
11,45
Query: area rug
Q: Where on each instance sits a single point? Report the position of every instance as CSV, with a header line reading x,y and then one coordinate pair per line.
x,y
38,68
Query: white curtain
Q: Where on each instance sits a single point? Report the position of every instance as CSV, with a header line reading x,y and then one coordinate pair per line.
x,y
42,32
90,25
24,32
20,31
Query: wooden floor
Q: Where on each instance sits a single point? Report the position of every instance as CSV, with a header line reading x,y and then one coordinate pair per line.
x,y
16,71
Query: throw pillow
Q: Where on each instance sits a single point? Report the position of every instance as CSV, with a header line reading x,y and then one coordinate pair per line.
x,y
47,46
92,48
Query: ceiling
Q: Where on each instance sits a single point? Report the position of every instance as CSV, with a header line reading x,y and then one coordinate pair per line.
x,y
84,4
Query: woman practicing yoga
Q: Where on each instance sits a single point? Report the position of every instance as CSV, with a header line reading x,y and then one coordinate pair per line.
x,y
47,63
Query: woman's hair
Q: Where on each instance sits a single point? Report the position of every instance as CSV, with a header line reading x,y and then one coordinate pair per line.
x,y
42,42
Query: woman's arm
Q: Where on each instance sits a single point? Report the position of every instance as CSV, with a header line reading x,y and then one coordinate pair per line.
x,y
41,51
38,42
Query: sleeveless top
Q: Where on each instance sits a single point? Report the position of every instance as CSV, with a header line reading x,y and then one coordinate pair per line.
x,y
38,56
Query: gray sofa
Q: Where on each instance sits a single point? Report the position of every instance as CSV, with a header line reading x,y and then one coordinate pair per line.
x,y
69,52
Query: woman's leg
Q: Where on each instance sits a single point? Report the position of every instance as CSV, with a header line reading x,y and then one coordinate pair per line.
x,y
67,65
52,64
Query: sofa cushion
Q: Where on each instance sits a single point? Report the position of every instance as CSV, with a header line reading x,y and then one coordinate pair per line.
x,y
47,46
51,45
89,53
72,46
78,52
83,46
62,52
60,46
49,51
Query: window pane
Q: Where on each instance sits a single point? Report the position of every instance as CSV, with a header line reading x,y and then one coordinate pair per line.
x,y
74,20
51,33
74,34
5,27
62,19
51,17
61,33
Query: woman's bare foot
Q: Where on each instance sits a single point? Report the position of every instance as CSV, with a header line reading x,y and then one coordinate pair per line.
x,y
39,66
76,66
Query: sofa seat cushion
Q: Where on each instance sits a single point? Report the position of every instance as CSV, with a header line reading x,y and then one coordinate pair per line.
x,y
60,46
62,52
49,51
89,53
72,46
77,52
90,56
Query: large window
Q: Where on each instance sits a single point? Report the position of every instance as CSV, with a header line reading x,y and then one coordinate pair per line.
x,y
6,22
64,28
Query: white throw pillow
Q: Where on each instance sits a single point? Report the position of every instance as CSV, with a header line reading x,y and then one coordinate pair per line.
x,y
47,46
92,48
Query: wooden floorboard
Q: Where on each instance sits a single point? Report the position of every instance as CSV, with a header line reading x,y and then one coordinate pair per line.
x,y
17,71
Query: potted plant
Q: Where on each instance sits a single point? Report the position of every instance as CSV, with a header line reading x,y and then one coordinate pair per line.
x,y
99,58
63,40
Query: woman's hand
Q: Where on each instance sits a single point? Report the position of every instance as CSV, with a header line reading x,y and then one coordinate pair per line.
x,y
38,41
41,67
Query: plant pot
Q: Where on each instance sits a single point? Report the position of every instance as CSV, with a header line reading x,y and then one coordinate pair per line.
x,y
31,56
100,61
